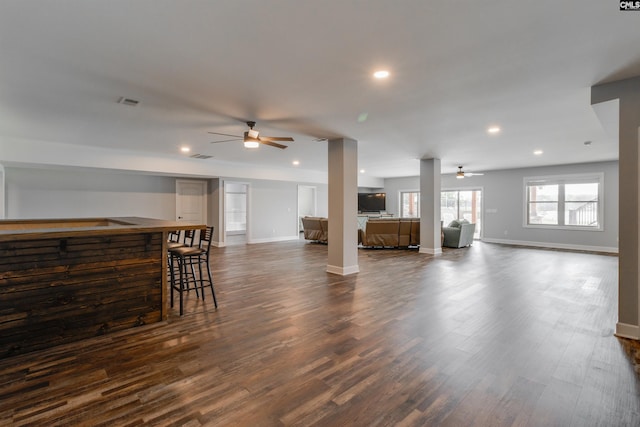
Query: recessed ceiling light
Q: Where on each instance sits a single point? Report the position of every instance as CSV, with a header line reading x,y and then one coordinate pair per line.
x,y
185,149
295,162
538,152
381,74
587,143
362,171
493,129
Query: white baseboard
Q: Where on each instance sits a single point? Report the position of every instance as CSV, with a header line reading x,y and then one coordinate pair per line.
x,y
343,271
553,245
273,239
436,251
218,244
625,330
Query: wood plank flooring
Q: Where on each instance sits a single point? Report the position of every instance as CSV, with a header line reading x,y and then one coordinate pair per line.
x,y
486,336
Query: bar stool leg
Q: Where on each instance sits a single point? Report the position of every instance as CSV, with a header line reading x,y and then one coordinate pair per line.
x,y
213,293
180,266
172,279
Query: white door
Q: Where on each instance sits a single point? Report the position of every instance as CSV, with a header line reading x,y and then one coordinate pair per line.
x,y
191,203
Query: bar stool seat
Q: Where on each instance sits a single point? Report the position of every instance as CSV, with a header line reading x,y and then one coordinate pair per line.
x,y
186,258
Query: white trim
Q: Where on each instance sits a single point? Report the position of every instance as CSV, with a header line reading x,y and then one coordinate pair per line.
x,y
624,330
343,271
553,245
218,244
273,239
429,251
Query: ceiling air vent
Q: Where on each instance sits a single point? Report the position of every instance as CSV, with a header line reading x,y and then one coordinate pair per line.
x,y
128,101
200,156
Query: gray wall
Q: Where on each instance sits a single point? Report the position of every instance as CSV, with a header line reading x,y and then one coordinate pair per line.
x,y
273,209
70,193
78,193
393,187
503,196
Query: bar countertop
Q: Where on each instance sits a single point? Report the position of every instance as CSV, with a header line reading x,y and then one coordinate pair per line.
x,y
25,229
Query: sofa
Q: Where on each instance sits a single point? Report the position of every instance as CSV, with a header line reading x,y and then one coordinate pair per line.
x,y
316,228
390,232
458,234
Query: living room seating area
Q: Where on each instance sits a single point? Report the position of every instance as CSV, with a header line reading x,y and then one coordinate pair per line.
x,y
393,232
390,232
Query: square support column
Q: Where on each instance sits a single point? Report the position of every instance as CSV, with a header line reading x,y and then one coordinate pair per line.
x,y
430,231
343,207
627,92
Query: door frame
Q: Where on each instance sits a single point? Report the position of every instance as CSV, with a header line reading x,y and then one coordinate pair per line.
x,y
224,208
315,203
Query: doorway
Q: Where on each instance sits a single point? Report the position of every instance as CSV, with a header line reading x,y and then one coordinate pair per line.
x,y
462,204
306,203
236,202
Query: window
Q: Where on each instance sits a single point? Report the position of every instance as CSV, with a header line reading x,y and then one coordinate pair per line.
x,y
462,204
570,202
410,204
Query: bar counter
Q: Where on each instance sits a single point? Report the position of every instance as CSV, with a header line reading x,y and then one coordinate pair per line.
x,y
63,280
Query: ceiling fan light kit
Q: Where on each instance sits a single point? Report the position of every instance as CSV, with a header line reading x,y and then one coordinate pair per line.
x,y
252,138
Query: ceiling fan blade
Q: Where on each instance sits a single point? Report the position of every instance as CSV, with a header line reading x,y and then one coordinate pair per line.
x,y
473,174
224,134
227,140
276,138
272,144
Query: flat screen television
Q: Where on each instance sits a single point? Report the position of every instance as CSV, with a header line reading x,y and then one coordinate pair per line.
x,y
372,202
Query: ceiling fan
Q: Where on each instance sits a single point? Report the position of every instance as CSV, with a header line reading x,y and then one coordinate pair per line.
x,y
461,174
252,138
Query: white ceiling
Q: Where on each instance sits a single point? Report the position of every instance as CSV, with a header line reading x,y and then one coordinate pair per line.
x,y
303,68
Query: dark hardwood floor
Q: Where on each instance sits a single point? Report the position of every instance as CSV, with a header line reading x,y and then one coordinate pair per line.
x,y
486,336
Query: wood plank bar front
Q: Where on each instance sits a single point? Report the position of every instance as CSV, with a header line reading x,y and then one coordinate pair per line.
x,y
64,280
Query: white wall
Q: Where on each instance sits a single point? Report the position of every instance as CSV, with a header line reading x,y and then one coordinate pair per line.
x,y
81,193
503,196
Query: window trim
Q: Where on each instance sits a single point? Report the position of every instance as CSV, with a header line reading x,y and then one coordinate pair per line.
x,y
562,180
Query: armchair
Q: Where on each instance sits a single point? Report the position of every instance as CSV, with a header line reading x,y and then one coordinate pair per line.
x,y
458,234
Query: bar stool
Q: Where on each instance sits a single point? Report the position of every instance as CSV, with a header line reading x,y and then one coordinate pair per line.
x,y
187,257
173,239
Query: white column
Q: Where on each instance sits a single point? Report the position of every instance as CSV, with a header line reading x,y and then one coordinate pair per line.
x,y
430,242
343,207
628,94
